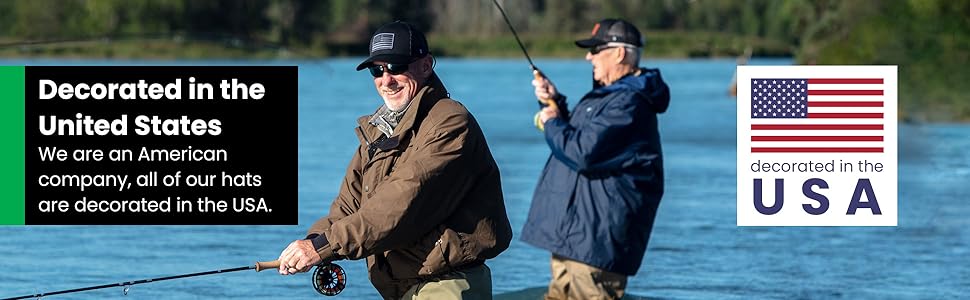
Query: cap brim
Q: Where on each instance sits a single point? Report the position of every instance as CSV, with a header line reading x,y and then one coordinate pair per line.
x,y
589,43
388,58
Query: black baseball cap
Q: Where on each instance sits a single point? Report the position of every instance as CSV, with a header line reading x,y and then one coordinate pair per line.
x,y
397,43
612,30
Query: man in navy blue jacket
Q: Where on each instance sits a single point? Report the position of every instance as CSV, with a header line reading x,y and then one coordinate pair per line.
x,y
596,200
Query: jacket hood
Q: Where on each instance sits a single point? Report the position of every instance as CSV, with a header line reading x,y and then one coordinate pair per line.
x,y
649,85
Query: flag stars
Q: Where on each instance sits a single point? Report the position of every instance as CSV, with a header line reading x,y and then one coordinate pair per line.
x,y
778,98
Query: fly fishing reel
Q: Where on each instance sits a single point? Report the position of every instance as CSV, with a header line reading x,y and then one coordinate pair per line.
x,y
329,279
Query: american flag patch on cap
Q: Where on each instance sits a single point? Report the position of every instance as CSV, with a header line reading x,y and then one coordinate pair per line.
x,y
382,41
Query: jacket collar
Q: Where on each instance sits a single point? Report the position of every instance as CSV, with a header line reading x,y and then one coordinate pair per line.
x,y
426,97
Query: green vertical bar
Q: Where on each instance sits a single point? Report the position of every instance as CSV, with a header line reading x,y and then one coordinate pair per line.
x,y
12,146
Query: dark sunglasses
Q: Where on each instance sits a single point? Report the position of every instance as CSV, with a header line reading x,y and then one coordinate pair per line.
x,y
598,49
394,69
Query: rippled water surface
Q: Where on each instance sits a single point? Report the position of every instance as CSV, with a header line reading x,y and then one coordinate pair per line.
x,y
696,251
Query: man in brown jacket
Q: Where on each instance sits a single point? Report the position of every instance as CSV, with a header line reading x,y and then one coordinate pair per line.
x,y
422,197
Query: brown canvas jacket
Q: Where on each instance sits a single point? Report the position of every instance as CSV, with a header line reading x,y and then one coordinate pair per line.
x,y
421,203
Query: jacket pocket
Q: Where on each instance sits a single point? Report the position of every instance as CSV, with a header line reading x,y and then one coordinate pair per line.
x,y
376,173
449,251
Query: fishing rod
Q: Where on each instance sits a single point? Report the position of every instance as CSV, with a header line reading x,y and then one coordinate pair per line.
x,y
535,71
328,279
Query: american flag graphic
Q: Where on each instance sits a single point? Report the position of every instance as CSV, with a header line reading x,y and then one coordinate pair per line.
x,y
817,115
382,41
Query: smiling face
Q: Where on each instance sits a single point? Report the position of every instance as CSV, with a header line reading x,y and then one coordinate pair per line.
x,y
398,90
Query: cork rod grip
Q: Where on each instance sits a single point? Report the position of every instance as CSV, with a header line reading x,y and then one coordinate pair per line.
x,y
548,102
266,265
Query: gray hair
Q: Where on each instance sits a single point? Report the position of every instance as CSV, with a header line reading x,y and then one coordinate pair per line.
x,y
633,52
632,56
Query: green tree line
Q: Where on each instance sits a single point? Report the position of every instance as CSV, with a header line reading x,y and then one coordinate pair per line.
x,y
928,39
775,26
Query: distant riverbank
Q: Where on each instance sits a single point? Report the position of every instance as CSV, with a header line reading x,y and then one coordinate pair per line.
x,y
665,44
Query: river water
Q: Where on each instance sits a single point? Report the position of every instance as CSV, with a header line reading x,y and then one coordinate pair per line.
x,y
696,251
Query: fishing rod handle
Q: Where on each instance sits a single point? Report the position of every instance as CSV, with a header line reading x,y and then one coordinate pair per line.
x,y
548,102
266,265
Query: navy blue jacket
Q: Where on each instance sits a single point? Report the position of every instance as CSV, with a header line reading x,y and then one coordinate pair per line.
x,y
598,195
